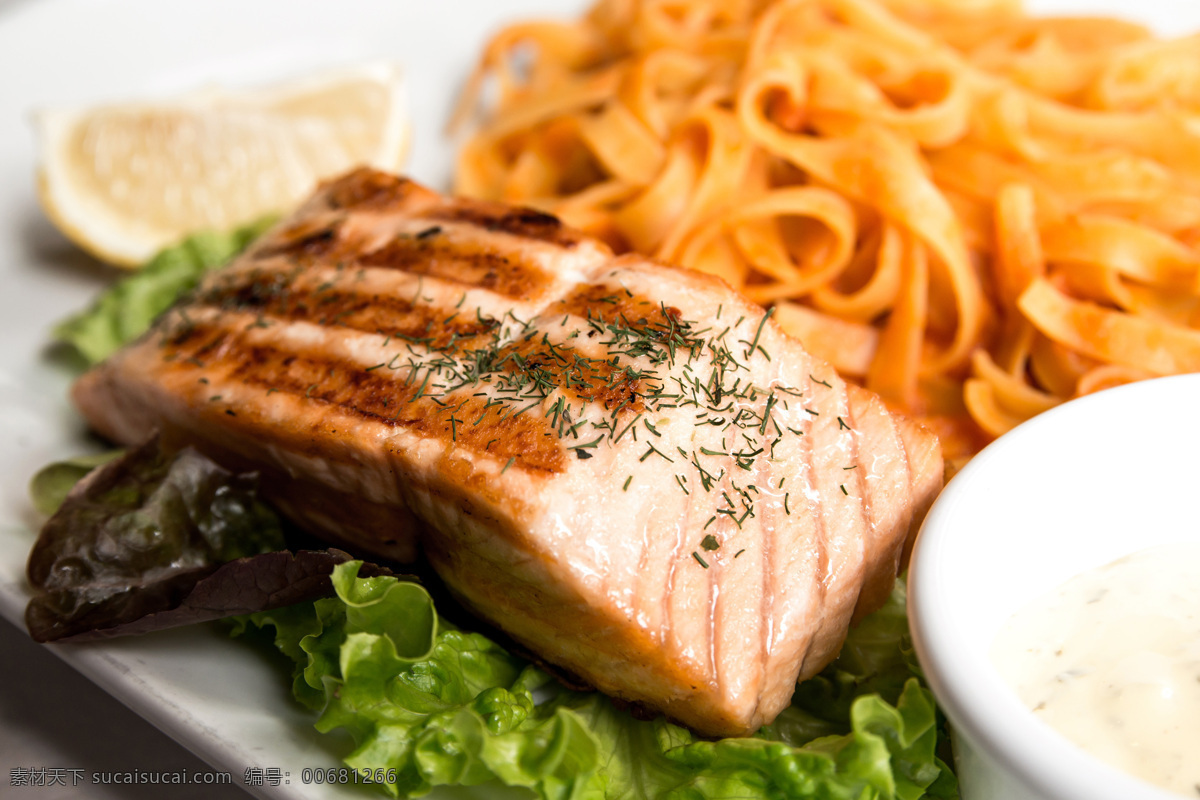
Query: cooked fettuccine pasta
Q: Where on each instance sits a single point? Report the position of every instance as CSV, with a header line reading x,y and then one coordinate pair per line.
x,y
975,213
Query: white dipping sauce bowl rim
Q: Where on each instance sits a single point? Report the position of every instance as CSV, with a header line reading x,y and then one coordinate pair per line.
x,y
1120,462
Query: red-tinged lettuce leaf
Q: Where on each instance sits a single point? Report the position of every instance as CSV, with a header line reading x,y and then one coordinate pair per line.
x,y
243,586
154,540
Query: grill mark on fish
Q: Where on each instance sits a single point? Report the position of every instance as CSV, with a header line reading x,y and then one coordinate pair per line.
x,y
309,241
367,189
611,304
188,341
463,263
588,379
524,222
482,424
279,297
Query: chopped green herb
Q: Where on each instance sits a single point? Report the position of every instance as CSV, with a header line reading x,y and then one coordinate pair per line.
x,y
581,449
653,450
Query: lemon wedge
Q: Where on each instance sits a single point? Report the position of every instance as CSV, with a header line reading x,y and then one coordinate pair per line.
x,y
125,181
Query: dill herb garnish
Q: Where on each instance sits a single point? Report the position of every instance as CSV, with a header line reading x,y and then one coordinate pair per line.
x,y
654,450
581,450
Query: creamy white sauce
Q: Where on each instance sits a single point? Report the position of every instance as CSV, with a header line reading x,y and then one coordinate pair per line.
x,y
1111,659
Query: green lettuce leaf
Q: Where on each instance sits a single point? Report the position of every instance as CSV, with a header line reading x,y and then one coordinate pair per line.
x,y
53,482
433,705
125,311
873,660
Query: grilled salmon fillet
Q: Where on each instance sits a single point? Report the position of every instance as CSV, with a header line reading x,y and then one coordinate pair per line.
x,y
624,465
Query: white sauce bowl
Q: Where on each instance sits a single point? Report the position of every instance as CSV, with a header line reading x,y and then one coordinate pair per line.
x,y
1073,489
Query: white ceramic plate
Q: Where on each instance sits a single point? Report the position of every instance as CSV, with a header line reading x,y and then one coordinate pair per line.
x,y
218,698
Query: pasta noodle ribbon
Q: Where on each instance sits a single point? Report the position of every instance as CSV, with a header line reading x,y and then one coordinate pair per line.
x,y
797,271
1133,251
849,346
622,143
894,372
877,293
1111,336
